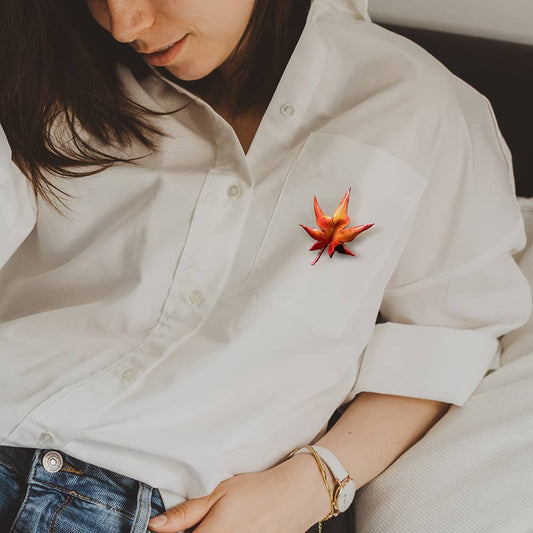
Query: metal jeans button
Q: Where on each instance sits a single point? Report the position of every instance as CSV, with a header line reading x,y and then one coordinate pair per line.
x,y
52,461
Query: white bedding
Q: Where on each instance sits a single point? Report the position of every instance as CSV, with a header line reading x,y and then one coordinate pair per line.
x,y
473,471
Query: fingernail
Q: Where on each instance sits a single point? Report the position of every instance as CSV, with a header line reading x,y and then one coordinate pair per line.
x,y
158,520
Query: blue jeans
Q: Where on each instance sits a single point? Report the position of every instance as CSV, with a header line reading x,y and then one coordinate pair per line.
x,y
48,491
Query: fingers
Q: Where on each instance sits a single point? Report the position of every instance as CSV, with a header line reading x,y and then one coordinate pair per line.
x,y
181,517
210,524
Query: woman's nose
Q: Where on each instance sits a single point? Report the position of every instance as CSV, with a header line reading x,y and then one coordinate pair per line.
x,y
129,18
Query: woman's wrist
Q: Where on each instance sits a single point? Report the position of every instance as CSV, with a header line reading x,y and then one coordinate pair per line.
x,y
305,473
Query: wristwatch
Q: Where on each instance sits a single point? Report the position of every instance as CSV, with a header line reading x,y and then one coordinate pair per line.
x,y
345,489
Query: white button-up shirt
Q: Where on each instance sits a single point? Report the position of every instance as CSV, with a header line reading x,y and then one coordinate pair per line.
x,y
172,328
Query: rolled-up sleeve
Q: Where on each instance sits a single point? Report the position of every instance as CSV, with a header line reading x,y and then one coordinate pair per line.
x,y
18,207
457,287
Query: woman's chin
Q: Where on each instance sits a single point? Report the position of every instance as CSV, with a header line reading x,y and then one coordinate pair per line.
x,y
189,74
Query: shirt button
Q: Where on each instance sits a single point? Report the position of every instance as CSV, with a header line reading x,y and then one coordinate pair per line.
x,y
287,110
45,438
234,190
129,375
52,461
196,296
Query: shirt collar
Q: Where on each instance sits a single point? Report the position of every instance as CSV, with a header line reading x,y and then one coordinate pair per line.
x,y
296,87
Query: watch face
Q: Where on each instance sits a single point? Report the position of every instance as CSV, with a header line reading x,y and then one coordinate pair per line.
x,y
346,496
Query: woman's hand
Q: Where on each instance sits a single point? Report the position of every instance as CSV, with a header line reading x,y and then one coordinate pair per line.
x,y
287,498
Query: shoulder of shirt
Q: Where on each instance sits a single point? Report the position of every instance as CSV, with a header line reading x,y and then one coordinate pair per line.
x,y
390,85
370,50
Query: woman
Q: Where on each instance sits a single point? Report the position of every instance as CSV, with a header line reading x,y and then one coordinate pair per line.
x,y
167,336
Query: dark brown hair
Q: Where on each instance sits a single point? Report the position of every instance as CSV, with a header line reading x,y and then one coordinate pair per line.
x,y
57,62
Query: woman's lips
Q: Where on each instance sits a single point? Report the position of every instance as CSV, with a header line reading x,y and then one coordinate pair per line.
x,y
161,59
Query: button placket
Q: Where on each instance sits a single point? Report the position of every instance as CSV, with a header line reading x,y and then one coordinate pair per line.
x,y
204,261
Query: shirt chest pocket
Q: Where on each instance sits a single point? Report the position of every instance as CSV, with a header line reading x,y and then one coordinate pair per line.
x,y
385,191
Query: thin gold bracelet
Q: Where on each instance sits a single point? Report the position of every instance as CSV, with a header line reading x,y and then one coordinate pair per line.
x,y
322,469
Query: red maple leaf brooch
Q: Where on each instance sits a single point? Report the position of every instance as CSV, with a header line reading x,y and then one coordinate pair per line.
x,y
333,232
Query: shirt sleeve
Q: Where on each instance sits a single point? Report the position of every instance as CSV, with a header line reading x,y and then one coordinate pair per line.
x,y
457,287
18,206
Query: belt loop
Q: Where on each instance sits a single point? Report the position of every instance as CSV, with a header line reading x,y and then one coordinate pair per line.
x,y
144,508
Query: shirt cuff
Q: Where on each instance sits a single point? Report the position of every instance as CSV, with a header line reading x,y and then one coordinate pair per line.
x,y
431,362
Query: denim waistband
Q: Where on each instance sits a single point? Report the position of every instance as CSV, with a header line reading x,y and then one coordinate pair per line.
x,y
82,479
118,492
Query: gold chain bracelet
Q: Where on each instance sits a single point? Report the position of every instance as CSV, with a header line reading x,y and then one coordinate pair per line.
x,y
322,469
325,478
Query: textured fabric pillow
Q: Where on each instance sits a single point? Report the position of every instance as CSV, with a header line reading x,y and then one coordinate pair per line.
x,y
473,470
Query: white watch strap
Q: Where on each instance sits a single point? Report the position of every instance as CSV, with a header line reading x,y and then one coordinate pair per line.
x,y
339,473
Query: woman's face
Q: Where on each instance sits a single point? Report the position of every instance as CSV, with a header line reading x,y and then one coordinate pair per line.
x,y
214,27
